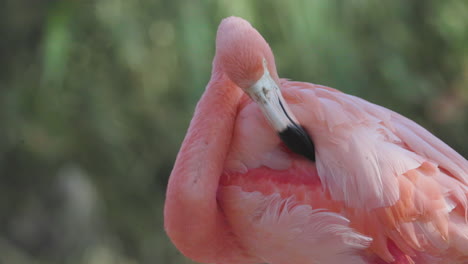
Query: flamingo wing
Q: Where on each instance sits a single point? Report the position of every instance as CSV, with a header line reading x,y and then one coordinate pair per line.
x,y
397,180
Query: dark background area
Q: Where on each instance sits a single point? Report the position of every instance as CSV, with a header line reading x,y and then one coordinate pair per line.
x,y
96,96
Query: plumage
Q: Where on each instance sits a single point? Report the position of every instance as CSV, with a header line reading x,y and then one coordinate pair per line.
x,y
382,189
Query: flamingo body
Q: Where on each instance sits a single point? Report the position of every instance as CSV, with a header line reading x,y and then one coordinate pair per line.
x,y
381,190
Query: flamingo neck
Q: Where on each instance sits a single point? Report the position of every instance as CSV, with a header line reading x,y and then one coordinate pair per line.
x,y
192,218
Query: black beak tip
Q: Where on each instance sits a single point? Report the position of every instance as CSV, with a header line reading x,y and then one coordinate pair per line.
x,y
298,140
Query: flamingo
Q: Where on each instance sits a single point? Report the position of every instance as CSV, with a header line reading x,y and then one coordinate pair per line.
x,y
284,172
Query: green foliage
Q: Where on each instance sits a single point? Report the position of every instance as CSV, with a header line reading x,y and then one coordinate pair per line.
x,y
96,97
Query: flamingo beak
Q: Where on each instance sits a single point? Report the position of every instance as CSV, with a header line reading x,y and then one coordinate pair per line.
x,y
267,94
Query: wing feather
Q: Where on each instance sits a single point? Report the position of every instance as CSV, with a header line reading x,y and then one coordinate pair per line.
x,y
398,181
362,148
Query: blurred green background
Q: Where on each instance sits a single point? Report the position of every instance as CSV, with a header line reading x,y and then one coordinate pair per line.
x,y
96,97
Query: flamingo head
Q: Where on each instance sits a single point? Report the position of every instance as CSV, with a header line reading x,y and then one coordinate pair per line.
x,y
247,60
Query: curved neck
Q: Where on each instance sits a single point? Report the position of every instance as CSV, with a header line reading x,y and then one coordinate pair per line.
x,y
192,218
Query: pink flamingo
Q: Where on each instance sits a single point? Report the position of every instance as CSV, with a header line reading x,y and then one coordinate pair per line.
x,y
357,183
